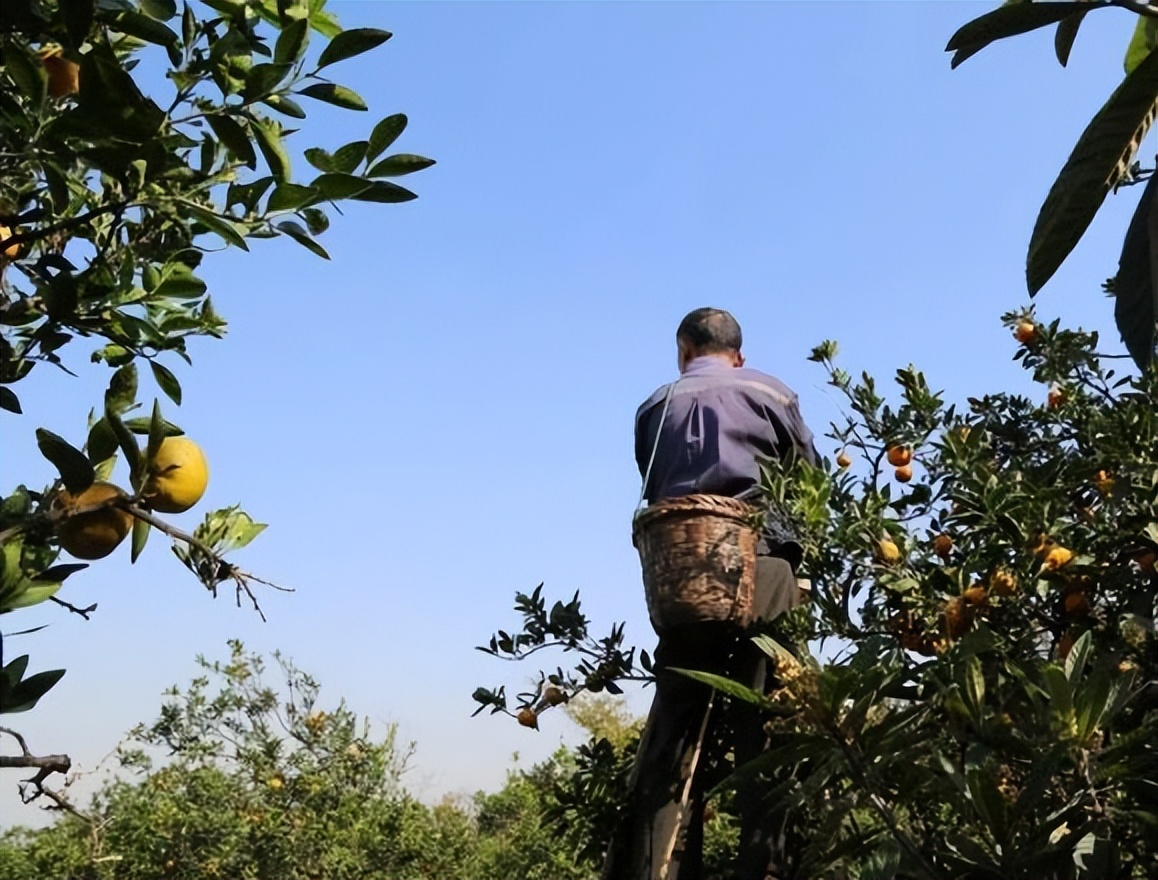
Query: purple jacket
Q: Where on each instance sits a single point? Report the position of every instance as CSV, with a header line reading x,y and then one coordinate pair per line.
x,y
719,420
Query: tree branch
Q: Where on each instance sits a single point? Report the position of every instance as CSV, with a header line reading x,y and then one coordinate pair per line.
x,y
70,223
1143,9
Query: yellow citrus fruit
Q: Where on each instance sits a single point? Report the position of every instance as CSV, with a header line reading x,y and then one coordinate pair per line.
x,y
1003,582
96,534
553,696
63,75
1104,482
179,475
887,551
842,460
904,473
899,456
1026,332
528,718
976,595
958,615
943,545
13,250
1057,557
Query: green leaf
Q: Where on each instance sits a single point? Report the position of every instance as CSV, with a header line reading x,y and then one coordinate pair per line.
x,y
143,426
78,17
292,41
299,234
1142,43
9,400
233,135
1067,32
1078,656
263,79
167,381
144,28
325,23
1099,161
162,10
335,94
725,685
1135,292
217,224
28,692
384,191
59,573
31,595
353,42
290,197
269,141
247,194
1008,21
399,164
128,444
140,537
349,157
75,469
336,186
102,442
28,74
384,134
188,25
316,220
122,390
179,282
284,105
157,431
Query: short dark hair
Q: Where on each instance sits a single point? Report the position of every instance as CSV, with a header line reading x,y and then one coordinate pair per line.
x,y
710,331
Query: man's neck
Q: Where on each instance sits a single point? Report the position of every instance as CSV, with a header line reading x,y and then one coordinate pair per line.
x,y
708,363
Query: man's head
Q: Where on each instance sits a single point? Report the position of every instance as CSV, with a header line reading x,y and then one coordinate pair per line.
x,y
709,332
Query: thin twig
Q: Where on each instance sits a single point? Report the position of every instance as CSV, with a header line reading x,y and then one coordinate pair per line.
x,y
71,222
83,612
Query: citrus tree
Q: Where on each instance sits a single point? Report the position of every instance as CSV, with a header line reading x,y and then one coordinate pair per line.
x,y
136,137
1102,161
986,704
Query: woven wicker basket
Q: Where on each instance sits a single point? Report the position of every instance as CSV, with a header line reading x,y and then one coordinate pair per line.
x,y
699,560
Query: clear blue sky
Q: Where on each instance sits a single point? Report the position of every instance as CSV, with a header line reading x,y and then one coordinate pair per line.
x,y
442,415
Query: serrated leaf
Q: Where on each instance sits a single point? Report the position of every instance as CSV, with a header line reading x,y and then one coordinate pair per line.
x,y
353,42
75,469
399,164
166,381
1099,161
302,237
384,134
1008,21
233,135
332,93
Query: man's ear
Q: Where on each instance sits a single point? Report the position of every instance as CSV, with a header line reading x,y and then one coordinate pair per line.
x,y
738,360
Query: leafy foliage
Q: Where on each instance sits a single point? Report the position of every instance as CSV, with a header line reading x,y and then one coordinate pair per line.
x,y
138,137
989,706
1102,160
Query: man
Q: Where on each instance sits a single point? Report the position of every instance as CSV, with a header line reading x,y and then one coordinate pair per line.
x,y
705,435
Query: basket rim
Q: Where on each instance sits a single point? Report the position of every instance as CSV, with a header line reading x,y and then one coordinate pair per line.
x,y
699,503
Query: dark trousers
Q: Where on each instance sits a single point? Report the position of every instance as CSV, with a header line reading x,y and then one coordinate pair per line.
x,y
661,837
